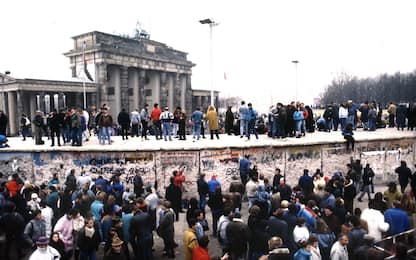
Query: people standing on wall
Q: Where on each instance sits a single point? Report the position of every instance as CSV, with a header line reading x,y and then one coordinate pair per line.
x,y
343,115
182,126
92,126
401,117
123,121
166,118
145,118
157,126
243,110
229,121
197,117
3,122
39,126
105,123
135,123
55,125
175,123
391,110
65,129
24,126
411,116
212,118
251,118
372,118
76,130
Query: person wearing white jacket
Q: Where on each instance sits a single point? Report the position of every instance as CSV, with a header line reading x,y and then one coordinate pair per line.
x,y
375,221
343,115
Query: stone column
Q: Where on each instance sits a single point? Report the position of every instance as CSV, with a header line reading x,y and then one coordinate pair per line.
x,y
124,87
183,97
11,100
32,105
163,90
187,91
142,82
177,90
134,84
171,93
155,83
102,94
117,90
20,108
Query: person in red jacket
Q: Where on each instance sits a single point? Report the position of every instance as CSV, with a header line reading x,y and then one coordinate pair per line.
x,y
200,252
155,116
178,179
14,185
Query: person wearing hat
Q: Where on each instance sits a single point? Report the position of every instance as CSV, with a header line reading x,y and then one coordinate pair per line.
x,y
33,203
166,117
115,253
44,251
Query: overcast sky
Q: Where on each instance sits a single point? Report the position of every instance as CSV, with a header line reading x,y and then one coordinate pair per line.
x,y
254,43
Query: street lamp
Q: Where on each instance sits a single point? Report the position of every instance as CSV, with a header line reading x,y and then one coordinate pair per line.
x,y
296,79
211,24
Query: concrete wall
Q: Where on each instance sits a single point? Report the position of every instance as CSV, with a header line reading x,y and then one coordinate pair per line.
x,y
158,166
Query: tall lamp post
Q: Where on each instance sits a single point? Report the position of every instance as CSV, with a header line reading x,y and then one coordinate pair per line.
x,y
296,79
211,24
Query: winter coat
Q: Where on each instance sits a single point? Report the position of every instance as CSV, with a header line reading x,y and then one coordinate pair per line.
x,y
398,220
278,228
88,244
302,254
123,119
166,229
65,227
200,253
355,238
105,120
338,252
202,186
212,118
238,235
189,243
35,229
375,222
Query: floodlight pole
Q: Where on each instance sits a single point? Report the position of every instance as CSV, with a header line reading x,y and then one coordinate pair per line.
x,y
296,79
211,24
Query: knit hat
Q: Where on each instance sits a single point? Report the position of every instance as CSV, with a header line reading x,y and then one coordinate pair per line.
x,y
42,241
116,241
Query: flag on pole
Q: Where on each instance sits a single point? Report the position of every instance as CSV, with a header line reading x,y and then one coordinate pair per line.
x,y
87,74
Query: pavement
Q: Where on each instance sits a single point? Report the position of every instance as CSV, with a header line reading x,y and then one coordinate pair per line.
x,y
135,144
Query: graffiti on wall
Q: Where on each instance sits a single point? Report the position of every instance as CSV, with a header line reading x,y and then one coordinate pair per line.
x,y
224,164
157,167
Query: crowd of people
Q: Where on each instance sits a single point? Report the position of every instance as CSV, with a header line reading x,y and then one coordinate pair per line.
x,y
75,126
316,218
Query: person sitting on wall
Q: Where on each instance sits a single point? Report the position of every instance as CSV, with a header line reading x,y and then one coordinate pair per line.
x,y
3,141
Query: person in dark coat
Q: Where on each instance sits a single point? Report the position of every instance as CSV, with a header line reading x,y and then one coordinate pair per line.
x,y
166,228
216,205
238,235
173,194
229,121
115,253
56,242
405,175
411,116
310,122
55,124
277,226
277,250
88,240
202,191
123,120
349,194
13,225
3,122
401,117
306,183
141,234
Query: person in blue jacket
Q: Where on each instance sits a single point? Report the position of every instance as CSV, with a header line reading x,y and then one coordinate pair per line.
x,y
397,218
